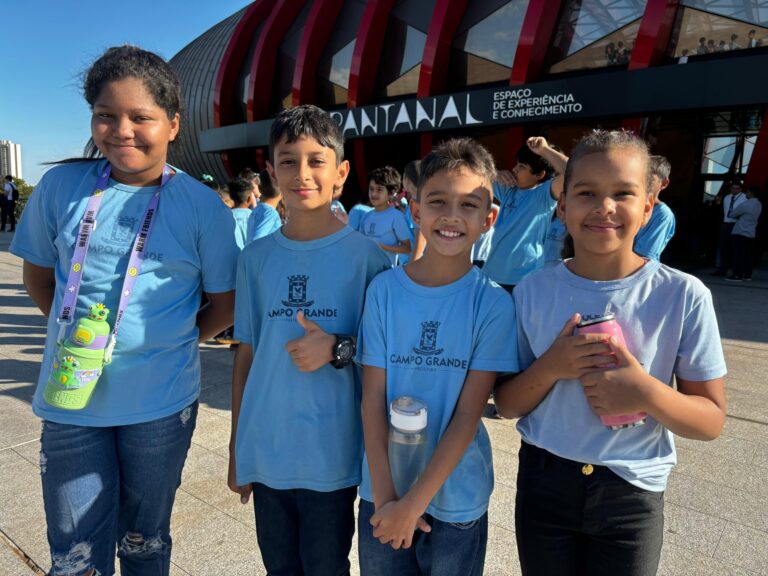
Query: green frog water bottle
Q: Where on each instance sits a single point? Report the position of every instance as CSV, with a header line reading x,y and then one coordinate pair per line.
x,y
79,362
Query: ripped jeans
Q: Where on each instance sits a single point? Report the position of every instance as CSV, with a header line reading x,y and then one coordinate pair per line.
x,y
107,488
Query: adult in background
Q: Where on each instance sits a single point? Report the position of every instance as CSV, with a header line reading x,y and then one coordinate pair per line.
x,y
743,235
8,204
725,246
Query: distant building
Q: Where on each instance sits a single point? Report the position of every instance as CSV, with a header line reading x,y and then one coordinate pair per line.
x,y
10,159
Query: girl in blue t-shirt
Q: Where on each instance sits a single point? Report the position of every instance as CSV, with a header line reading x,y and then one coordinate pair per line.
x,y
122,231
590,498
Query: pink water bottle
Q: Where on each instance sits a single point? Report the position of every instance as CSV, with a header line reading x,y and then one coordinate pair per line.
x,y
606,324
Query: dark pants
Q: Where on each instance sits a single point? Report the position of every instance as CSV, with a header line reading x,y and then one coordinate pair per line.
x,y
7,213
577,521
450,549
304,532
742,256
725,247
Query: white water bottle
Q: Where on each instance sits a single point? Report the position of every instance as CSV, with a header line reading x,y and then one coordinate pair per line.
x,y
407,442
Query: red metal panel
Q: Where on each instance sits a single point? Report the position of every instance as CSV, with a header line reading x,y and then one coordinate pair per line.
x,y
433,77
234,58
535,37
322,16
757,173
265,56
362,73
654,33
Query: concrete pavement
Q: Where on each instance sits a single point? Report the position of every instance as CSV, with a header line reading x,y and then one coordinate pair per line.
x,y
716,505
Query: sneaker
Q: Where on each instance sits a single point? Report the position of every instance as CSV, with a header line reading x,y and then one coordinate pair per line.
x,y
734,279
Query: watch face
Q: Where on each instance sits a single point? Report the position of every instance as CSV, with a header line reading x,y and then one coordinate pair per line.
x,y
345,349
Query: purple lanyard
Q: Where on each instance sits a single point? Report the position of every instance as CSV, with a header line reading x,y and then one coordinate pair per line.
x,y
87,226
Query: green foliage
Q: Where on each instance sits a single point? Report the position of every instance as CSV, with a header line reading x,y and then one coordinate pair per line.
x,y
24,191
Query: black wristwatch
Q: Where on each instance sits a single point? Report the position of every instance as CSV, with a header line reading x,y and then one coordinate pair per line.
x,y
343,351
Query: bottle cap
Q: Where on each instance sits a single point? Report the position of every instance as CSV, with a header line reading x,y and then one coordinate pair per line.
x,y
408,414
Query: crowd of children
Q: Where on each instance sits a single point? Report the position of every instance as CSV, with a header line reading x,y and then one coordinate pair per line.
x,y
333,329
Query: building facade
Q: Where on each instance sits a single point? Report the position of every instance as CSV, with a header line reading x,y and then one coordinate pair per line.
x,y
401,75
10,159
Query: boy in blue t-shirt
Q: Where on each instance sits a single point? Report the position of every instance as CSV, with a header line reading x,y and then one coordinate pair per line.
x,y
265,218
443,344
385,223
656,234
296,430
527,201
241,192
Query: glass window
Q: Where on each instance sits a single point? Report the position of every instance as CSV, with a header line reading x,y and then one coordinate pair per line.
x,y
486,41
754,11
585,26
336,61
698,33
749,147
718,155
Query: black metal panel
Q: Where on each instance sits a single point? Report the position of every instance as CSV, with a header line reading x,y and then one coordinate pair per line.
x,y
197,66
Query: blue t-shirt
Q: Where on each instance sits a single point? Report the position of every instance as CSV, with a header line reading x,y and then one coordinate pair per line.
x,y
155,370
654,236
669,325
262,222
388,227
482,247
520,230
241,216
428,339
553,245
356,214
297,429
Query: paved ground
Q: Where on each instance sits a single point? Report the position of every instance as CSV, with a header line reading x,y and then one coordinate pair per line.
x,y
716,505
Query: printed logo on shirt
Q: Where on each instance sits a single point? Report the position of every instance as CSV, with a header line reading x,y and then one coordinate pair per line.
x,y
123,230
371,229
427,354
119,241
428,340
298,299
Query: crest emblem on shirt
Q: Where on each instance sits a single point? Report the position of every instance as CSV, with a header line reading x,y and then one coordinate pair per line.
x,y
428,340
297,291
123,230
372,228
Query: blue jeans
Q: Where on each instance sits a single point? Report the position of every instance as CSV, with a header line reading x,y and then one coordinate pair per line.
x,y
113,487
305,532
450,549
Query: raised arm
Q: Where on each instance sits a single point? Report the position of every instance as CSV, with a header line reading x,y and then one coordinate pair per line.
x,y
558,160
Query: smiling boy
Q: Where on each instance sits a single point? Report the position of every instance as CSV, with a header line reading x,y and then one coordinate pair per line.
x,y
438,330
295,394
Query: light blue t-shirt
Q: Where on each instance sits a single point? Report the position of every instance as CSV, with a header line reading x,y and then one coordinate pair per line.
x,y
428,339
482,247
553,244
356,214
518,241
155,370
669,325
262,222
241,216
388,227
656,234
297,429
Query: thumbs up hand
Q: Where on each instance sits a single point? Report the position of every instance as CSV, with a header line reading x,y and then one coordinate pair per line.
x,y
314,349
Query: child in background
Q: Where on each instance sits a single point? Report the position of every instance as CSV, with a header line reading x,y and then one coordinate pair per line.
x,y
410,179
483,245
527,201
296,430
386,224
241,192
356,215
553,244
656,234
595,491
437,330
338,208
111,469
265,218
255,179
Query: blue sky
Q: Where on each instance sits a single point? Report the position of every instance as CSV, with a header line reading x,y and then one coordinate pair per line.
x,y
47,44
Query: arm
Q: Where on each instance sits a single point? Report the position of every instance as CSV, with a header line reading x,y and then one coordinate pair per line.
x,y
217,315
695,410
419,244
240,369
558,160
376,434
403,247
569,357
40,283
398,520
